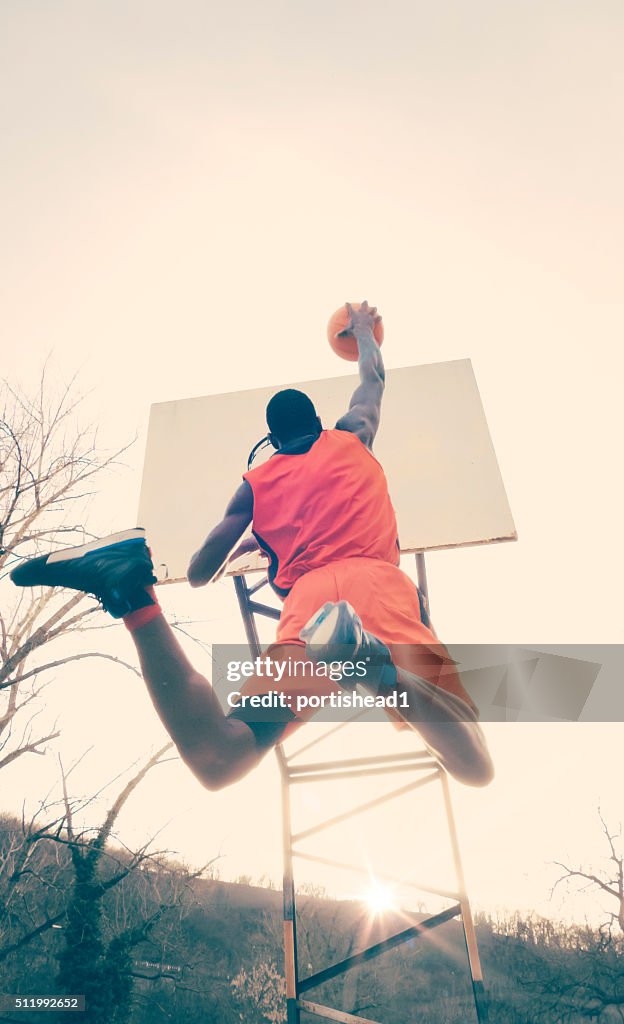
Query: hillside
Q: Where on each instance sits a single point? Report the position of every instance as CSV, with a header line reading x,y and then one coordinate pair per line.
x,y
171,947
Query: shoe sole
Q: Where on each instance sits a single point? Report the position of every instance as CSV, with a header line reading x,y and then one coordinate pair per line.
x,y
323,634
330,624
96,545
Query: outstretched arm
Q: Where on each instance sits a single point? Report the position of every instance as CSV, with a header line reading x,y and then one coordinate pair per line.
x,y
206,562
362,417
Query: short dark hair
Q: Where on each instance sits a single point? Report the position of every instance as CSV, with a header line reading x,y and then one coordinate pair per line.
x,y
291,414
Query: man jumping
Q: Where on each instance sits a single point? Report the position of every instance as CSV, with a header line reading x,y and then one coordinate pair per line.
x,y
321,512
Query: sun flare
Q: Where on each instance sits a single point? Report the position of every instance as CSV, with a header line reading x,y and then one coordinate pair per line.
x,y
379,898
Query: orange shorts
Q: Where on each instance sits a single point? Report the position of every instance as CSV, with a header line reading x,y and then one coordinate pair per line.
x,y
388,604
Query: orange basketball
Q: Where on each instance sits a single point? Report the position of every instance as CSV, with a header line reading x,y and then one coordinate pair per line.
x,y
346,347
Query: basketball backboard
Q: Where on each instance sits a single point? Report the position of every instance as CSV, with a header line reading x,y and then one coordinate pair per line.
x,y
433,443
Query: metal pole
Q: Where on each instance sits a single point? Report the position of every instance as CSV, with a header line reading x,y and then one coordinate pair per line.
x,y
242,593
293,1015
421,572
474,961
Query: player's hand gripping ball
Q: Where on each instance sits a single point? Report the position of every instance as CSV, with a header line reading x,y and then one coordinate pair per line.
x,y
343,323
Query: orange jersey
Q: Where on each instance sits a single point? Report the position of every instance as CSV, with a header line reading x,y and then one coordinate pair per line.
x,y
323,505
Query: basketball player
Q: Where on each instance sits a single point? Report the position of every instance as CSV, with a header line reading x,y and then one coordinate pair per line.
x,y
320,510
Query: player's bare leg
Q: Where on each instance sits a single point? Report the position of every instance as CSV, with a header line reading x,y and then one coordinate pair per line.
x,y
448,725
217,749
118,571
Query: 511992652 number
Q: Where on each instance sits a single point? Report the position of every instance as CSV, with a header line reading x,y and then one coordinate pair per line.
x,y
40,1002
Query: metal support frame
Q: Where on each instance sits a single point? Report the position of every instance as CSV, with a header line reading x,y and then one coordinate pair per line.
x,y
294,773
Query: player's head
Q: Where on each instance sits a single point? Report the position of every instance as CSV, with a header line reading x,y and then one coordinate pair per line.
x,y
291,414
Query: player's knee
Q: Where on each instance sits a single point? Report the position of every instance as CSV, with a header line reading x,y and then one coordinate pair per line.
x,y
215,773
481,773
217,776
224,762
213,768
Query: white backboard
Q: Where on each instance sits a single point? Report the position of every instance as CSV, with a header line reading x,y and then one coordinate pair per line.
x,y
433,443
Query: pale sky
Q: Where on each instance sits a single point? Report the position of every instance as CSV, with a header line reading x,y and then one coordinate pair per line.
x,y
189,192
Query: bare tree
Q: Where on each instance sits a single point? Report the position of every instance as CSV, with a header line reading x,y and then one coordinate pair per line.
x,y
108,904
36,858
608,880
110,916
577,973
49,466
260,991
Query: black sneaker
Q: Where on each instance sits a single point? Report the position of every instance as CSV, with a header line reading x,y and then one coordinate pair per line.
x,y
115,569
